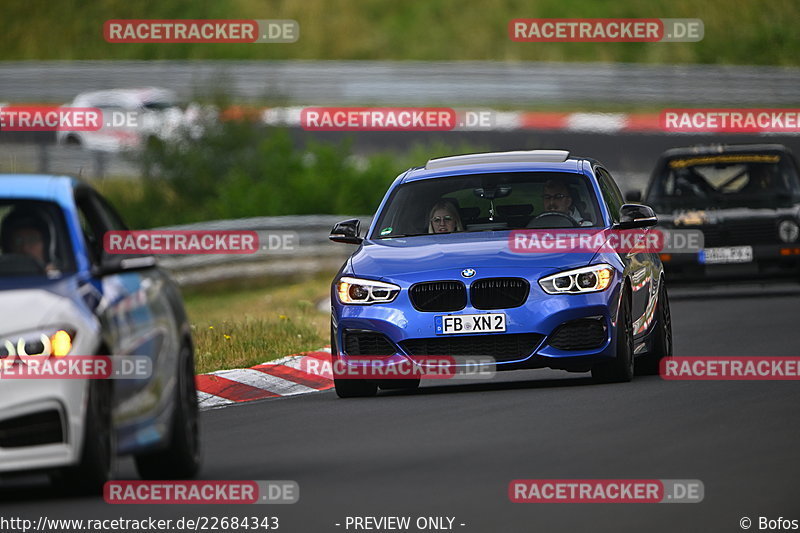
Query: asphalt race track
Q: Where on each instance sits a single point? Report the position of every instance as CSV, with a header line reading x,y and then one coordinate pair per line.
x,y
452,448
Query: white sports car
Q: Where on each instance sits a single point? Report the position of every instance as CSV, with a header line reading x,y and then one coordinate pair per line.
x,y
61,295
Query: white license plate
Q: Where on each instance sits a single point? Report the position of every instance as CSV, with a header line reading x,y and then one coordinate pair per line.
x,y
483,323
730,254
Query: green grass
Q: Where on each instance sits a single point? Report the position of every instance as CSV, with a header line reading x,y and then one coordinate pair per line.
x,y
241,325
736,31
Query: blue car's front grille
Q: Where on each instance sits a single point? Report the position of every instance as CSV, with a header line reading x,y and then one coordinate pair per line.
x,y
438,296
364,342
499,293
502,347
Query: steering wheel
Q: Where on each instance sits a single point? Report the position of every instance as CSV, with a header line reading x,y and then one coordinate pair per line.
x,y
21,265
552,214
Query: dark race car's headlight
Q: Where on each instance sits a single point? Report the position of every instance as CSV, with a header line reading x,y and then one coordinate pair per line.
x,y
365,291
593,278
788,231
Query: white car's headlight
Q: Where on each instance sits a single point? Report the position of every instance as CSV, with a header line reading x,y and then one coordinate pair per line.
x,y
365,291
55,342
593,278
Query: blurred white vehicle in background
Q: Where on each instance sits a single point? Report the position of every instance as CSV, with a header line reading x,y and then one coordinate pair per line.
x,y
130,118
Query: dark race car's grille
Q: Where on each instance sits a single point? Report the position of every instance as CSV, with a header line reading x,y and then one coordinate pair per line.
x,y
499,293
503,347
739,232
32,430
438,296
581,334
364,342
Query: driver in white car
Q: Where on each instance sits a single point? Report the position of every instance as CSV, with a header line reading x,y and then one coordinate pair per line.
x,y
557,198
27,234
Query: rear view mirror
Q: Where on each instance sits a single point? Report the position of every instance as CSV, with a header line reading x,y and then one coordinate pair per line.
x,y
118,263
347,232
490,194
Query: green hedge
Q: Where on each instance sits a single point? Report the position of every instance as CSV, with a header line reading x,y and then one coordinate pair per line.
x,y
241,169
758,32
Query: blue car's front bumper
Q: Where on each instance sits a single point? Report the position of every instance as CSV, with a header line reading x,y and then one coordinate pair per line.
x,y
541,314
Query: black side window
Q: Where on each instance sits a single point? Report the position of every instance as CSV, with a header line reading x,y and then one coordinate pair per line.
x,y
611,193
111,218
93,224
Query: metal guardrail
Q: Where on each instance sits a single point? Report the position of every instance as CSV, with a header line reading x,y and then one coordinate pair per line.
x,y
47,158
414,82
312,253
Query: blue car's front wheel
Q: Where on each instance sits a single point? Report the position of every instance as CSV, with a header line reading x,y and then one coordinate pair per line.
x,y
621,368
662,342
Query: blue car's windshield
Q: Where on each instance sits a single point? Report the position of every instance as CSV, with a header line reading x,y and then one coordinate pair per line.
x,y
489,202
33,239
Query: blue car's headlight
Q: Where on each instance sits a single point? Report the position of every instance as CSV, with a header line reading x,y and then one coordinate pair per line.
x,y
593,278
365,291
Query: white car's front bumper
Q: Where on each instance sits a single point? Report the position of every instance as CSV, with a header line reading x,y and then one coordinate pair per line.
x,y
21,397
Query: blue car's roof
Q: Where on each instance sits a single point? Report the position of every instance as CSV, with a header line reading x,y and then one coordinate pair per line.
x,y
48,187
573,165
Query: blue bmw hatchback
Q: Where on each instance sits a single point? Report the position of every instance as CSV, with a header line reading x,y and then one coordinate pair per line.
x,y
437,273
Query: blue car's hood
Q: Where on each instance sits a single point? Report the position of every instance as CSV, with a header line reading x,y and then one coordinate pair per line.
x,y
392,258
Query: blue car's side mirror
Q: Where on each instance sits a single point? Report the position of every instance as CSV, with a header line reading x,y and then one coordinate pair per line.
x,y
347,232
633,216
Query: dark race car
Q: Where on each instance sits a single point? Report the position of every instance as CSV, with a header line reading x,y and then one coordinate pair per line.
x,y
744,198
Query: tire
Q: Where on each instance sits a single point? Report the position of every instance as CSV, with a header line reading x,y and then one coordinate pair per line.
x,y
662,342
98,456
620,369
181,458
399,384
